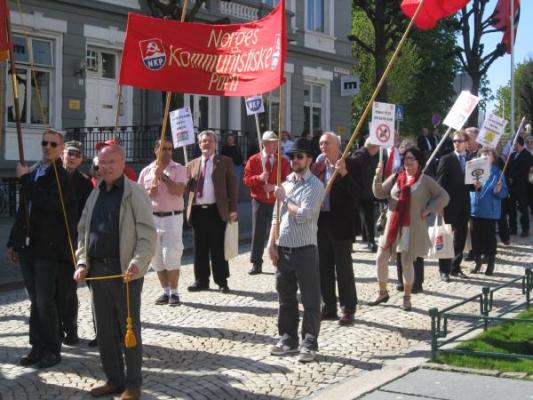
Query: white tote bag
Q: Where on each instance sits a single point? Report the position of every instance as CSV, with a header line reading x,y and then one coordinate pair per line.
x,y
231,240
441,237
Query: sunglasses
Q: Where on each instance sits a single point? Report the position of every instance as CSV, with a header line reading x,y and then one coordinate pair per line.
x,y
297,156
458,141
45,143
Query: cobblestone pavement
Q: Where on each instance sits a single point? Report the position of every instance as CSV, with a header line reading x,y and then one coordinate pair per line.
x,y
216,346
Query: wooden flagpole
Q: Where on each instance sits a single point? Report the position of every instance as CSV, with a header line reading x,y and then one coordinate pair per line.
x,y
380,84
278,176
520,127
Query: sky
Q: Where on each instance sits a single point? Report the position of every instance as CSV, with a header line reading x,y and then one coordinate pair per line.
x,y
499,73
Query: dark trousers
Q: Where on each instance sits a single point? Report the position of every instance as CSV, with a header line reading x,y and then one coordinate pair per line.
x,y
40,279
368,219
209,231
261,222
418,266
460,229
519,201
335,261
110,309
298,268
67,301
503,224
483,237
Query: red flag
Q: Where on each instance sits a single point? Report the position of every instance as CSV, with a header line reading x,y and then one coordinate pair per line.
x,y
501,20
432,10
4,37
225,60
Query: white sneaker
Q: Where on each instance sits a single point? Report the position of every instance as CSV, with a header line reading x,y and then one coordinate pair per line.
x,y
306,355
282,348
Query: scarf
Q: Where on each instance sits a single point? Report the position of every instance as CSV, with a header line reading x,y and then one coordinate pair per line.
x,y
401,216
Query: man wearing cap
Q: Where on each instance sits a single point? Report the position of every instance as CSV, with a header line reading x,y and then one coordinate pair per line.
x,y
261,182
128,171
67,297
294,252
164,180
212,203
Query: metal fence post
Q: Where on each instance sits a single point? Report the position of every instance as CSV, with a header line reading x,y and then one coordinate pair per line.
x,y
485,309
434,312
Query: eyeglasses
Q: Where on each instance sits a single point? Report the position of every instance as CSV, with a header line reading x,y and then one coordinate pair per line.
x,y
298,156
458,141
75,154
45,143
409,158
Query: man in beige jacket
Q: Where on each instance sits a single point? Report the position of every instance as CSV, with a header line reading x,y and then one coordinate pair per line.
x,y
116,235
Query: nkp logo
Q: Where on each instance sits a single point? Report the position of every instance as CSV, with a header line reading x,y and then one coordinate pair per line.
x,y
254,104
153,54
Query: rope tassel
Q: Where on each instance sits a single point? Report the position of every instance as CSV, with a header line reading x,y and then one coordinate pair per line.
x,y
129,340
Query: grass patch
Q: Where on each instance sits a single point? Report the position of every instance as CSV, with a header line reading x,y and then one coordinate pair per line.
x,y
507,338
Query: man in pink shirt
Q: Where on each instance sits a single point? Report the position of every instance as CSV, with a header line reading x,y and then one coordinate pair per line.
x,y
165,181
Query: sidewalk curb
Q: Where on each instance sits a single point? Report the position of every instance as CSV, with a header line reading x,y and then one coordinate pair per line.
x,y
370,381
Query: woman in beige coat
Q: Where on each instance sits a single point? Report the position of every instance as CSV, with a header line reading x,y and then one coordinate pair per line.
x,y
411,198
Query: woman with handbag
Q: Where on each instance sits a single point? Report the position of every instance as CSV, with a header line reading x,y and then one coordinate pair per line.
x,y
485,206
411,198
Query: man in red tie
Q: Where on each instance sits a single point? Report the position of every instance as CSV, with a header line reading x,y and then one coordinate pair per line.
x,y
261,181
212,204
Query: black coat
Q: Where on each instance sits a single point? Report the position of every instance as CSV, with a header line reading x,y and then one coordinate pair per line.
x,y
518,172
365,165
451,177
47,232
343,198
422,143
82,188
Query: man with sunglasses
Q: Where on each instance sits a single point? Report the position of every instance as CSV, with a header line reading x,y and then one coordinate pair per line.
x,y
451,176
295,254
164,180
39,241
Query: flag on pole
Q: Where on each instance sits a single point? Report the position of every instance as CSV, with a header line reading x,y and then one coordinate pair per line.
x,y
4,35
501,20
432,11
186,57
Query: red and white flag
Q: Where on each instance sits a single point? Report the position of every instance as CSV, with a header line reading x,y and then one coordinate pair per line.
x,y
186,57
501,20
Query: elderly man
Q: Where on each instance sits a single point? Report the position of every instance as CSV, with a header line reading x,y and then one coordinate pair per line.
x,y
212,203
39,240
294,252
164,180
261,183
116,235
335,230
472,146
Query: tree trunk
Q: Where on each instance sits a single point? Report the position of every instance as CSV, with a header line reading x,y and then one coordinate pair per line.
x,y
476,83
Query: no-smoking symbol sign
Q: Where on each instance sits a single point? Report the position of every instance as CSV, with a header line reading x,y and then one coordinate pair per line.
x,y
383,133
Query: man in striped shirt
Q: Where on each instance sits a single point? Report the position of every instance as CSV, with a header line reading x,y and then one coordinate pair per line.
x,y
294,252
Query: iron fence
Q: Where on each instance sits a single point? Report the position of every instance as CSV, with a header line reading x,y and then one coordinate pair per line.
x,y
9,197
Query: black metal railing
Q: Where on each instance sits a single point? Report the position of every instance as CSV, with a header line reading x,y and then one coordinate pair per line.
x,y
9,197
138,141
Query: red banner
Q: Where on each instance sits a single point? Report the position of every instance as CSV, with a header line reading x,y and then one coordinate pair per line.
x,y
225,60
432,10
4,37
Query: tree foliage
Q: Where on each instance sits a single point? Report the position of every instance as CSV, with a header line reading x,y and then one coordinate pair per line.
x,y
173,9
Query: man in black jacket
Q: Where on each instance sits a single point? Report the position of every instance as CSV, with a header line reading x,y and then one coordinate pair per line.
x,y
451,176
39,241
335,230
521,161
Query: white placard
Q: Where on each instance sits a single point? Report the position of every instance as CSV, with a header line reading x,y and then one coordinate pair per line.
x,y
254,105
182,127
491,131
382,125
461,110
477,169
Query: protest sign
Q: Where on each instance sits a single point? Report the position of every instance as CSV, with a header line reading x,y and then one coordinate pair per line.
x,y
382,125
254,105
477,170
491,131
182,127
461,110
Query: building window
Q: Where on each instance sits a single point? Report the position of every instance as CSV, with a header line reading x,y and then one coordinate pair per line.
x,y
101,64
32,108
315,15
313,113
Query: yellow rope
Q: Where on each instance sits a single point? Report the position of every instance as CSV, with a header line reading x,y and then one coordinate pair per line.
x,y
105,277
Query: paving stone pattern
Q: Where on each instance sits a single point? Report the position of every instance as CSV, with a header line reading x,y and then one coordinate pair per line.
x,y
216,346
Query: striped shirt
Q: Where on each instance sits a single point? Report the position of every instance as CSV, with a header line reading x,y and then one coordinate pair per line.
x,y
300,229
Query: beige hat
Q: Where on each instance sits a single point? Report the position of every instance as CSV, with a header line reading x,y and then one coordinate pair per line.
x,y
270,136
74,145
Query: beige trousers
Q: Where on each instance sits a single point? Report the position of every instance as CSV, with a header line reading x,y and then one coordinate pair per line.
x,y
382,262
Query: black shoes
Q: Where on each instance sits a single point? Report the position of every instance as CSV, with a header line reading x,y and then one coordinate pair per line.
x,y
224,289
399,287
93,343
524,234
444,277
48,360
32,358
71,340
347,319
197,287
417,289
458,273
161,300
329,315
174,300
255,270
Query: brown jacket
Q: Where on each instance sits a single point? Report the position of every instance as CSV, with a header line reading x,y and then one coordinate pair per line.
x,y
224,183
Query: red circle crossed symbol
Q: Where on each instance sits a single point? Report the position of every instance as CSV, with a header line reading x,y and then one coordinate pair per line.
x,y
383,133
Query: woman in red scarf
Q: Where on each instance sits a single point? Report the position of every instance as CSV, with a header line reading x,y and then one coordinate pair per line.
x,y
411,198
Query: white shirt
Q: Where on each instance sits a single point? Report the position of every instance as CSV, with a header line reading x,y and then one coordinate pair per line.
x,y
397,162
208,195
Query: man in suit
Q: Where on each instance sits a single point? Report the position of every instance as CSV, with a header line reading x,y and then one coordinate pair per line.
x,y
212,204
451,176
521,161
335,230
427,142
